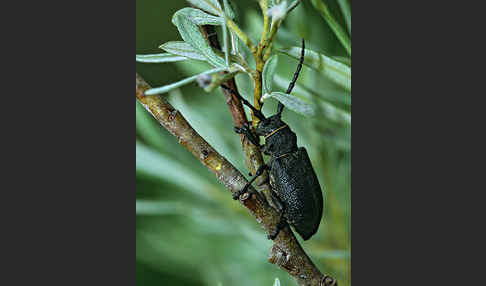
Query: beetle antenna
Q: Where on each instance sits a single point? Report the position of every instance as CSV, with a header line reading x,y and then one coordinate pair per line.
x,y
296,75
257,112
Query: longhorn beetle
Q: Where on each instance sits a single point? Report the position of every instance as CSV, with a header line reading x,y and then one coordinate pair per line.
x,y
295,188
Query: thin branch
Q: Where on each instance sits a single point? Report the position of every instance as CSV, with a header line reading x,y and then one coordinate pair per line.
x,y
286,251
254,158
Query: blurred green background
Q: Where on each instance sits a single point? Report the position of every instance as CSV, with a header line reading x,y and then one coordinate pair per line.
x,y
188,229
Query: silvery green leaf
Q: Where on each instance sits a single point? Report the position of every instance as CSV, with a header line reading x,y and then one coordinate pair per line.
x,y
192,35
327,101
234,43
228,9
334,70
169,87
344,60
277,282
335,114
268,73
158,58
294,103
333,96
182,49
226,47
199,17
211,6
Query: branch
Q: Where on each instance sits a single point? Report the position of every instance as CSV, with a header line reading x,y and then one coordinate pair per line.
x,y
254,158
286,251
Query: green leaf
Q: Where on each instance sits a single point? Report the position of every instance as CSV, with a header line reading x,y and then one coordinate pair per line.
x,y
326,103
169,87
226,47
344,5
334,70
294,103
192,35
182,49
155,164
211,6
268,73
277,282
342,36
333,254
292,6
335,114
159,58
148,129
199,17
145,207
344,60
333,96
228,9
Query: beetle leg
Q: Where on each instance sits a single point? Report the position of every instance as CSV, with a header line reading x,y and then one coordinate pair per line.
x,y
246,131
258,173
256,112
282,222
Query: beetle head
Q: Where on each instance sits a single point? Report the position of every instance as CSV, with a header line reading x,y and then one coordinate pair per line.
x,y
268,125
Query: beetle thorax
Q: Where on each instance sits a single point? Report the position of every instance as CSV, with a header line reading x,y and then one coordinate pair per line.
x,y
279,139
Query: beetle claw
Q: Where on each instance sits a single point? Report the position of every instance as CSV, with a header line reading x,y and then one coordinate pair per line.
x,y
236,195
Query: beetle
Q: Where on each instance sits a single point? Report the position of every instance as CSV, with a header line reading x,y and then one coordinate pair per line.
x,y
295,188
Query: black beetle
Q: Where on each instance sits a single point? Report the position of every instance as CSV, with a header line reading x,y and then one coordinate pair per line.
x,y
295,187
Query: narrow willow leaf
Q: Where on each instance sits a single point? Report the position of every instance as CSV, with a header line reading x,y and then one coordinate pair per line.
x,y
333,254
192,35
335,97
226,44
268,73
199,17
228,9
169,87
148,129
334,70
153,163
145,207
211,6
277,282
292,6
294,103
326,102
344,60
344,5
322,8
335,114
234,43
158,58
182,49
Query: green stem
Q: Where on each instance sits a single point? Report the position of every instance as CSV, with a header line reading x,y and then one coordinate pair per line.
x,y
242,35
